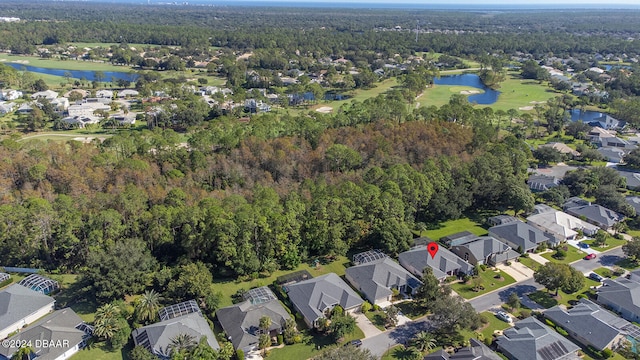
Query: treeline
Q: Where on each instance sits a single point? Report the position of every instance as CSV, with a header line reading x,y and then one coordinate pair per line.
x,y
256,207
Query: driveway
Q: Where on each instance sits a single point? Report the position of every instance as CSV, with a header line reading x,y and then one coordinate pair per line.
x,y
381,343
604,259
588,250
539,258
366,326
517,271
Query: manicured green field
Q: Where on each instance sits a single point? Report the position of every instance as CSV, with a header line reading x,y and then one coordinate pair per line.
x,y
573,254
489,282
548,300
604,272
610,244
311,346
62,64
439,95
454,226
376,318
100,351
529,262
516,93
493,325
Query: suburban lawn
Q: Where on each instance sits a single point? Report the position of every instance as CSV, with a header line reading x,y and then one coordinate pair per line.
x,y
376,318
493,325
229,287
628,264
63,64
100,351
604,272
488,281
548,300
411,309
454,226
311,346
573,254
610,244
529,262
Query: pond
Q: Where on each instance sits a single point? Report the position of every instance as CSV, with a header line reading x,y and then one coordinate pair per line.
x,y
488,97
76,74
584,115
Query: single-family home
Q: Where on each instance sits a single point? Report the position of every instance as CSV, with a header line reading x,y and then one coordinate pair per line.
x,y
542,182
10,94
541,208
122,119
484,250
378,278
25,108
501,219
622,296
126,93
457,238
183,318
444,263
612,154
316,297
597,215
529,339
60,104
56,337
87,108
574,201
80,121
475,351
560,225
633,179
241,322
521,236
6,107
20,306
635,202
590,324
607,122
597,133
47,94
562,148
107,94
615,142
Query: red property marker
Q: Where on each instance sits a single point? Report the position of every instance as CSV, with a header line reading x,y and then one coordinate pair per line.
x,y
432,248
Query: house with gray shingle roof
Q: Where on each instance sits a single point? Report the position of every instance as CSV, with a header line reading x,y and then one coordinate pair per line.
x,y
521,236
597,215
612,154
377,279
561,225
607,122
635,202
444,263
542,182
622,296
633,178
241,322
529,339
590,324
484,250
157,337
56,337
475,351
314,298
561,148
20,306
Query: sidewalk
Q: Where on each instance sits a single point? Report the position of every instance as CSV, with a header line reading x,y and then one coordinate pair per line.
x,y
539,258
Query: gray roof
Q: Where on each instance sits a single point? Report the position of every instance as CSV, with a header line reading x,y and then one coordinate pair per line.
x,y
612,154
157,337
635,202
457,238
376,278
598,214
61,325
442,263
633,178
18,302
529,339
521,234
241,321
438,355
312,297
590,322
575,201
483,246
476,351
501,219
623,292
542,182
542,208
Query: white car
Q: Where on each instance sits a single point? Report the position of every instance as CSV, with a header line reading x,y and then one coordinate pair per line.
x,y
504,316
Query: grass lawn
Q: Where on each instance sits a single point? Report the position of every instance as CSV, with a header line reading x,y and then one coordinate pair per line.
x,y
610,244
62,64
411,310
100,351
488,281
573,254
548,300
516,93
311,346
529,262
230,287
454,226
628,264
439,95
604,272
392,353
493,325
376,318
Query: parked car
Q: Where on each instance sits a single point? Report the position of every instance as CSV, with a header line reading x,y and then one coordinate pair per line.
x,y
596,277
504,316
590,256
583,245
356,343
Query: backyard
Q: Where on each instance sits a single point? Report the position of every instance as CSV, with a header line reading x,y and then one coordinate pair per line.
x,y
487,282
454,226
311,346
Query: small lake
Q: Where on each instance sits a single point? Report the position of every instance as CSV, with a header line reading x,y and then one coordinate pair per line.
x,y
76,74
489,96
584,115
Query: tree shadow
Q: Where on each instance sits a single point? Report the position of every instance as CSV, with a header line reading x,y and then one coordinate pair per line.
x,y
518,289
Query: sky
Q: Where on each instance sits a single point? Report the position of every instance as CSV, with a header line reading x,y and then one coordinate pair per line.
x,y
473,2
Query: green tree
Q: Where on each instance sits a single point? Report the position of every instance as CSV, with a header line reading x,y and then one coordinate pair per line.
x,y
147,306
290,331
341,326
23,353
346,352
573,283
342,158
391,315
106,321
182,343
265,324
632,248
141,353
40,85
424,341
547,155
514,301
264,341
555,276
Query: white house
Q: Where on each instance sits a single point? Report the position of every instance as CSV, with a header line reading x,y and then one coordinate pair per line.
x,y
20,306
9,94
560,225
87,109
47,94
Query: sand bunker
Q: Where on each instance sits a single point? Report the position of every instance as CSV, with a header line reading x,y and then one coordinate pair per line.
x,y
469,92
537,102
324,109
526,108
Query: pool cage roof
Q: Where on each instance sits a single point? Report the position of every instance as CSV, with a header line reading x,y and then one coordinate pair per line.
x,y
4,277
259,295
40,284
368,256
183,308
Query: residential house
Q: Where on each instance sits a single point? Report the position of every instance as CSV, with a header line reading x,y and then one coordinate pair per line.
x,y
457,238
633,179
47,94
598,133
315,298
542,208
107,94
529,339
377,279
39,283
127,93
87,108
10,95
560,225
612,154
20,306
475,351
590,324
56,337
542,182
183,318
635,202
484,250
562,148
60,104
241,322
501,219
574,201
622,296
521,236
615,142
597,215
444,263
80,120
122,119
25,108
6,107
607,122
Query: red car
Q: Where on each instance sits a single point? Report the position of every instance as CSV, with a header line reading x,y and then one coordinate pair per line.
x,y
590,256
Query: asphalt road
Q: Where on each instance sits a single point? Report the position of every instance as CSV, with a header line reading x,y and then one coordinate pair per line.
x,y
381,343
607,258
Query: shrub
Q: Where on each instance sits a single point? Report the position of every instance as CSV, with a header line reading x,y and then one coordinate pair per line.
x,y
525,255
297,339
561,331
280,339
560,254
607,353
581,296
550,323
366,306
488,341
524,313
483,267
508,263
239,354
606,273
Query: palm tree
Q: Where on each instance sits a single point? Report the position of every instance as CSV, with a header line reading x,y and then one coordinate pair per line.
x,y
24,353
106,321
148,305
182,342
265,324
424,341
